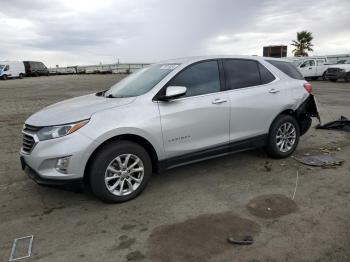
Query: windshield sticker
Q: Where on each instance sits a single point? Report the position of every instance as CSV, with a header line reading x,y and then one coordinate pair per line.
x,y
169,66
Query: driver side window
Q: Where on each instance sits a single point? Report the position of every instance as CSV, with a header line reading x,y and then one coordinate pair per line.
x,y
199,79
7,68
309,63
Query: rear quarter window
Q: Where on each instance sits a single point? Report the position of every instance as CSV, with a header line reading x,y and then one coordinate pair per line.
x,y
287,68
265,75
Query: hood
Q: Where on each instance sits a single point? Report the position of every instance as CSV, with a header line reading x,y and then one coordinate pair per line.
x,y
75,109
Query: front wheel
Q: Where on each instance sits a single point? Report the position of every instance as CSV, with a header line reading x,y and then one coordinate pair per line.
x,y
324,78
4,77
283,137
120,171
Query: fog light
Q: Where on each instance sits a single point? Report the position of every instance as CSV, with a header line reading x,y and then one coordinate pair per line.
x,y
62,164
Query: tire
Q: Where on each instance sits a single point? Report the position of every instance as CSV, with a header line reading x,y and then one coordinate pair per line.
x,y
4,77
105,164
272,147
324,78
20,76
333,80
347,77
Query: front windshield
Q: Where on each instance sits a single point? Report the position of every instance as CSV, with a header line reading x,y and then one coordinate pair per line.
x,y
297,62
141,81
1,67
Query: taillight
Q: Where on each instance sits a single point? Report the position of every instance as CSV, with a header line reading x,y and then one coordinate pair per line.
x,y
308,87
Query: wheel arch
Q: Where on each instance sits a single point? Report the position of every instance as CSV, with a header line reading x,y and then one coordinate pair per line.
x,y
128,137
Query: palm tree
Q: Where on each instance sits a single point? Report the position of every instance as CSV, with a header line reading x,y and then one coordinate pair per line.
x,y
303,43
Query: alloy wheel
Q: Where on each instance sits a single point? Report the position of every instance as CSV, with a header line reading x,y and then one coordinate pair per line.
x,y
286,137
124,174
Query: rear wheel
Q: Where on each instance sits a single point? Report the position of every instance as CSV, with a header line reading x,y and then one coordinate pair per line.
x,y
347,77
20,76
120,171
324,76
283,137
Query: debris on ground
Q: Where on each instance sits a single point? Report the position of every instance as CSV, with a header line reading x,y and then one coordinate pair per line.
x,y
320,160
246,240
271,206
267,166
341,124
21,248
329,150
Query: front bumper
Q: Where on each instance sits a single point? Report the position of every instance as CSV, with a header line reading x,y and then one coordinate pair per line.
x,y
48,182
40,163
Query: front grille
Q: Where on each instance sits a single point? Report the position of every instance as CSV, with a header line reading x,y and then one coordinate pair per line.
x,y
28,143
31,129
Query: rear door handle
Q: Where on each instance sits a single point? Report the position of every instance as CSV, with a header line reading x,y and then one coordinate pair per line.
x,y
218,101
273,91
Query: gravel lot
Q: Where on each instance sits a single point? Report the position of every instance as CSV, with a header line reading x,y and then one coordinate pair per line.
x,y
187,213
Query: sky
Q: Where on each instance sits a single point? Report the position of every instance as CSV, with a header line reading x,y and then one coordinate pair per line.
x,y
82,32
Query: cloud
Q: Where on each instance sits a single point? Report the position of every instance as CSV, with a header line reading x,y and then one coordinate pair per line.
x,y
70,32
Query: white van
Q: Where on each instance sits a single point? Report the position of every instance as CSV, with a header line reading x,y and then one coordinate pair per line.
x,y
10,69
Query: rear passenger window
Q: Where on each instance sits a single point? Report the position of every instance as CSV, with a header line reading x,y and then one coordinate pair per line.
x,y
241,73
199,79
266,76
288,68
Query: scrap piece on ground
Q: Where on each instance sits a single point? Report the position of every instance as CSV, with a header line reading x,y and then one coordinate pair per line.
x,y
271,206
247,240
320,160
341,124
21,248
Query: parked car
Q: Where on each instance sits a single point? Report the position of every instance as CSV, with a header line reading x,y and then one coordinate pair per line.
x,y
11,69
166,115
339,71
314,68
33,68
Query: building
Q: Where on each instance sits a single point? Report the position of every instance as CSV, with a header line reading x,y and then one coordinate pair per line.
x,y
275,51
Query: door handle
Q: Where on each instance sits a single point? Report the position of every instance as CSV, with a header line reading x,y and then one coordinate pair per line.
x,y
218,101
273,91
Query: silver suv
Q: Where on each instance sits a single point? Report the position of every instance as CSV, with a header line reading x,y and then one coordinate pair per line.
x,y
166,115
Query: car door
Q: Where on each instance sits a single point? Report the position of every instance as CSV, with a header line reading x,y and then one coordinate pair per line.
x,y
255,95
198,120
308,68
7,70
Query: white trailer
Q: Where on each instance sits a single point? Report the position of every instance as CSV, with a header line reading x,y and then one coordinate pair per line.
x,y
11,69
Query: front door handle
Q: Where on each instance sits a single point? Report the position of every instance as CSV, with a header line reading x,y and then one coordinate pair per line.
x,y
219,101
273,91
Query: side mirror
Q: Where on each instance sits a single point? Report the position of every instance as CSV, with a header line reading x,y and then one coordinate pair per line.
x,y
173,92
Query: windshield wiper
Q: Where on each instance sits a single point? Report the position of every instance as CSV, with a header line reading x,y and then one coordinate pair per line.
x,y
112,96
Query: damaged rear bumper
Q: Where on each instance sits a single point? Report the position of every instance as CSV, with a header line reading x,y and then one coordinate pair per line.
x,y
305,112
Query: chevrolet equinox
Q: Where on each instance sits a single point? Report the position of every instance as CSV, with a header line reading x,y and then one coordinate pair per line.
x,y
166,115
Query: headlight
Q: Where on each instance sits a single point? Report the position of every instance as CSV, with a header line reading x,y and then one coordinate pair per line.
x,y
51,132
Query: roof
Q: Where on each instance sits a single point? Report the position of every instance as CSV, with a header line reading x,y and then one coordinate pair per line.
x,y
193,59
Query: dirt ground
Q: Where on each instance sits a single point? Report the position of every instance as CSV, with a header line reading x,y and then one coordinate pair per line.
x,y
185,214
